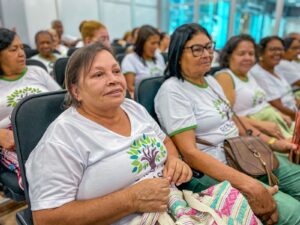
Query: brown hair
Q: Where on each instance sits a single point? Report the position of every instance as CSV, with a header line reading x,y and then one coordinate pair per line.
x,y
88,28
80,63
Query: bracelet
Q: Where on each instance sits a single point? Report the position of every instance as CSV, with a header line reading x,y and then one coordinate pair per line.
x,y
271,141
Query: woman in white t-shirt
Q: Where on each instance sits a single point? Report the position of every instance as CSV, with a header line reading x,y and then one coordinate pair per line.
x,y
16,82
279,91
189,107
112,161
288,66
145,61
241,89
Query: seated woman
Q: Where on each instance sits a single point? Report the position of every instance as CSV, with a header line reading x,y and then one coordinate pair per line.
x,y
98,149
45,46
93,31
188,106
16,82
288,65
145,61
278,90
241,89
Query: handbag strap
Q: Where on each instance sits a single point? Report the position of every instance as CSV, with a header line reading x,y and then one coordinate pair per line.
x,y
247,131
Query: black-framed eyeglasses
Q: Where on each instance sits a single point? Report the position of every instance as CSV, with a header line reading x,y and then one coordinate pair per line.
x,y
197,49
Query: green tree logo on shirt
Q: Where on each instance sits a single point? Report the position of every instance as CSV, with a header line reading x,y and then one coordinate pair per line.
x,y
146,152
259,98
222,108
18,94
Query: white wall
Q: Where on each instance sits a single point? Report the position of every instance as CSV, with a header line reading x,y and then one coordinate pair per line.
x,y
13,15
73,12
39,14
119,16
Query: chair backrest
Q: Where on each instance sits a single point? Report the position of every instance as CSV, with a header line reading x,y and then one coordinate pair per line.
x,y
146,92
59,70
71,51
30,119
34,62
30,52
120,57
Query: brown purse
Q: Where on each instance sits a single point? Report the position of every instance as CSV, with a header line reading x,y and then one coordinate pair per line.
x,y
248,154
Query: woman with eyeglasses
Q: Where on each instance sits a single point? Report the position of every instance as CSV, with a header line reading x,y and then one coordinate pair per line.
x,y
246,97
145,61
278,91
191,106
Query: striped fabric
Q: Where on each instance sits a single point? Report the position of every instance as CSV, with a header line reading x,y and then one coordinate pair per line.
x,y
10,161
221,205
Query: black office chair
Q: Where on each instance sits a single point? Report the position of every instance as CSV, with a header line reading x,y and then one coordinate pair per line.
x,y
30,52
146,92
42,109
165,56
10,185
71,51
34,62
120,57
117,49
59,70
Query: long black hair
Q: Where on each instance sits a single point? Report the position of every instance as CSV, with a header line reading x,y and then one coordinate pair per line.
x,y
144,33
181,35
6,38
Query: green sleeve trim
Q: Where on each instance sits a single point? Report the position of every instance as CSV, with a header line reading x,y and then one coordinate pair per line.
x,y
182,130
133,73
17,78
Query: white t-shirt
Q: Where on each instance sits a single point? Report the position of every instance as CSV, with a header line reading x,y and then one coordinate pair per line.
x,y
275,87
181,105
33,80
46,62
79,159
63,50
290,70
249,97
132,63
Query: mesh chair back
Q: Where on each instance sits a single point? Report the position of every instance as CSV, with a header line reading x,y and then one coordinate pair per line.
x,y
30,119
34,62
146,92
59,70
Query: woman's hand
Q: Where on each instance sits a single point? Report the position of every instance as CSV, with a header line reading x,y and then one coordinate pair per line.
x,y
269,128
7,139
261,201
177,171
150,195
287,119
283,146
